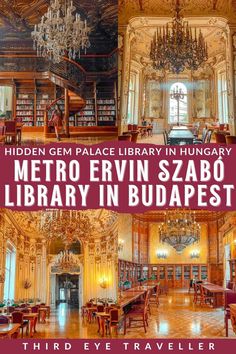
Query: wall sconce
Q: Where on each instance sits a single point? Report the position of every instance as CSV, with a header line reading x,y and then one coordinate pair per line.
x,y
103,283
162,254
195,254
120,245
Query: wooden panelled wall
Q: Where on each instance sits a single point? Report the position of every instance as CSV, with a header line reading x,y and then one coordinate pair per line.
x,y
140,248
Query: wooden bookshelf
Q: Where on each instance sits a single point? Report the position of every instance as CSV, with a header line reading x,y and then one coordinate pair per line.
x,y
173,275
96,118
106,104
42,101
87,117
25,108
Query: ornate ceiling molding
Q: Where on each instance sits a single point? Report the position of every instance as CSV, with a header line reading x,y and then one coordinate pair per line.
x,y
161,8
201,216
28,223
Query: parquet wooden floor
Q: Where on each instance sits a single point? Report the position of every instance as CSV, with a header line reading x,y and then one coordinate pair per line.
x,y
176,317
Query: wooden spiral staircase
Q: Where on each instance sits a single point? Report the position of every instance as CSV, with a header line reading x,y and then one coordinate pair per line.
x,y
69,75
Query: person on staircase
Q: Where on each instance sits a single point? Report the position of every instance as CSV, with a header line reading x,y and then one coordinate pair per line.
x,y
57,121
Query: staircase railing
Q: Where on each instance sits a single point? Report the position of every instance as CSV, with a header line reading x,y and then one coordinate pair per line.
x,y
73,74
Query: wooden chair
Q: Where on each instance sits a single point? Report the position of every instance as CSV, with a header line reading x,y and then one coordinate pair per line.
x,y
230,139
2,134
138,314
229,298
113,321
206,298
197,293
154,297
25,310
100,308
17,317
134,136
10,132
10,309
220,138
222,127
130,127
126,137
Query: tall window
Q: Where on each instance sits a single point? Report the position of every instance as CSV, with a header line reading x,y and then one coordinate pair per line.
x,y
2,99
133,99
222,98
10,267
183,104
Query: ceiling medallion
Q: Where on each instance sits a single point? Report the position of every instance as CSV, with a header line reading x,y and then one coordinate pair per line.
x,y
179,229
61,32
177,47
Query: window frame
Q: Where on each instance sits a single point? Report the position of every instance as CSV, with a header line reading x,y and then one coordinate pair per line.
x,y
10,272
170,88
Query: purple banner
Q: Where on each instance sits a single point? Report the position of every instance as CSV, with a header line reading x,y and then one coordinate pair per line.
x,y
120,176
118,346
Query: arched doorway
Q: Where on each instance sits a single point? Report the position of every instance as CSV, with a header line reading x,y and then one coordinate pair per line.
x,y
183,104
66,286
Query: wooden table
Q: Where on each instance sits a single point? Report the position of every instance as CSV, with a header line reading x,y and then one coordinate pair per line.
x,y
181,136
141,288
233,316
130,296
32,318
90,311
102,317
6,330
145,129
217,292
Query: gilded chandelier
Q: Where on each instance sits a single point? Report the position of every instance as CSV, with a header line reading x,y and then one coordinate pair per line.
x,y
179,229
60,32
66,262
67,225
177,47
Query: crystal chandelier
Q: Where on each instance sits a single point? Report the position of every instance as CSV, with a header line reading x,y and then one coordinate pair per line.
x,y
60,32
66,262
67,225
177,47
179,229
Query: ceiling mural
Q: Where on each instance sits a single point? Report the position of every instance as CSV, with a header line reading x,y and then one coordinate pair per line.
x,y
17,18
